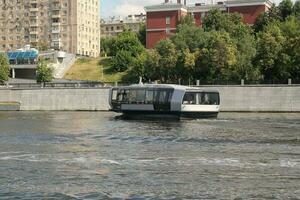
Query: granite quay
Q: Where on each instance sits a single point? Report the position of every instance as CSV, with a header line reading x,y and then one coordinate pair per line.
x,y
259,98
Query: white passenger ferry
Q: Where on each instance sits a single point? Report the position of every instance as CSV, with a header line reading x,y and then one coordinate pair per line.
x,y
159,100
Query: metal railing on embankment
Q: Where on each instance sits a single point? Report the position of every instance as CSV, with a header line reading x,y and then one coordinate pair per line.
x,y
95,84
57,85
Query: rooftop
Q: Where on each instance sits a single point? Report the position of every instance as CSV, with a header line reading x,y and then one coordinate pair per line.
x,y
203,6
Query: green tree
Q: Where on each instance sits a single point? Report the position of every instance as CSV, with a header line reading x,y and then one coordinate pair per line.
x,y
291,31
186,65
189,36
296,8
273,15
44,73
43,45
137,70
152,67
188,20
122,61
142,34
269,51
285,8
216,20
218,59
4,68
261,21
246,50
106,44
168,58
129,42
223,55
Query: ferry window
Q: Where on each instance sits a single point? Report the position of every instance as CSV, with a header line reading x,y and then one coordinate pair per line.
x,y
140,96
124,95
163,96
149,97
132,96
114,95
209,99
190,98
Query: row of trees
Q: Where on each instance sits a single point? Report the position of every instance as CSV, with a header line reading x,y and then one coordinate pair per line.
x,y
224,48
44,73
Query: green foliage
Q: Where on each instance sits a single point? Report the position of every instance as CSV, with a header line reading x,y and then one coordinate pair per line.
x,y
291,31
187,20
4,68
225,49
167,61
126,48
44,73
122,61
107,48
142,34
128,41
190,37
285,8
216,20
43,45
266,18
296,9
269,50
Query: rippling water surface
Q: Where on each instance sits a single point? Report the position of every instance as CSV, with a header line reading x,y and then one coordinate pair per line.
x,y
82,155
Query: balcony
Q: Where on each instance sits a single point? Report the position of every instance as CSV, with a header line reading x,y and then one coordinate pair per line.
x,y
33,15
56,7
55,39
55,30
33,32
33,9
55,23
55,16
34,24
33,40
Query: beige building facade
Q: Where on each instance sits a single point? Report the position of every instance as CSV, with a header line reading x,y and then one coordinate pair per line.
x,y
67,25
113,26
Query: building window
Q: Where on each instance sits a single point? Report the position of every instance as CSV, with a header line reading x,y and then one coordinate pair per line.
x,y
168,31
168,19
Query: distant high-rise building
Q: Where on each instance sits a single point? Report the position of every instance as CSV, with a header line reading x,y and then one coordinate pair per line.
x,y
67,25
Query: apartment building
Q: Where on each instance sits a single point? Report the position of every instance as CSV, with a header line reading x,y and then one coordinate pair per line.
x,y
67,25
113,26
162,19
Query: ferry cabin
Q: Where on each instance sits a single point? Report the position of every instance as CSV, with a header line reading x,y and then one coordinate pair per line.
x,y
165,100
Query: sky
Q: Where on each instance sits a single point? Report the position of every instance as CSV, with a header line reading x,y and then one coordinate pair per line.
x,y
127,7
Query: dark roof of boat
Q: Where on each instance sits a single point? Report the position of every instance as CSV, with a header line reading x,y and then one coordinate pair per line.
x,y
167,86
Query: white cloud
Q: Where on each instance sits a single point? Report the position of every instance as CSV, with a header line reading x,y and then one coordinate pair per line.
x,y
127,7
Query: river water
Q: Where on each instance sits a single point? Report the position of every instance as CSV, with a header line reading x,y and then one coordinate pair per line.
x,y
90,155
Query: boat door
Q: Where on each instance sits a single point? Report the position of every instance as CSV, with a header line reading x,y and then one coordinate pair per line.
x,y
162,100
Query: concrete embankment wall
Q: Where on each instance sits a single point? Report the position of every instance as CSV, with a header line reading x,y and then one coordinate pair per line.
x,y
58,99
233,99
259,98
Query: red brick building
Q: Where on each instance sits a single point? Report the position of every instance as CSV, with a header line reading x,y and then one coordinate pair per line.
x,y
162,19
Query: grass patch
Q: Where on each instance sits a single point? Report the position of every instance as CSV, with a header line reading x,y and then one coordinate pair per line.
x,y
93,69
